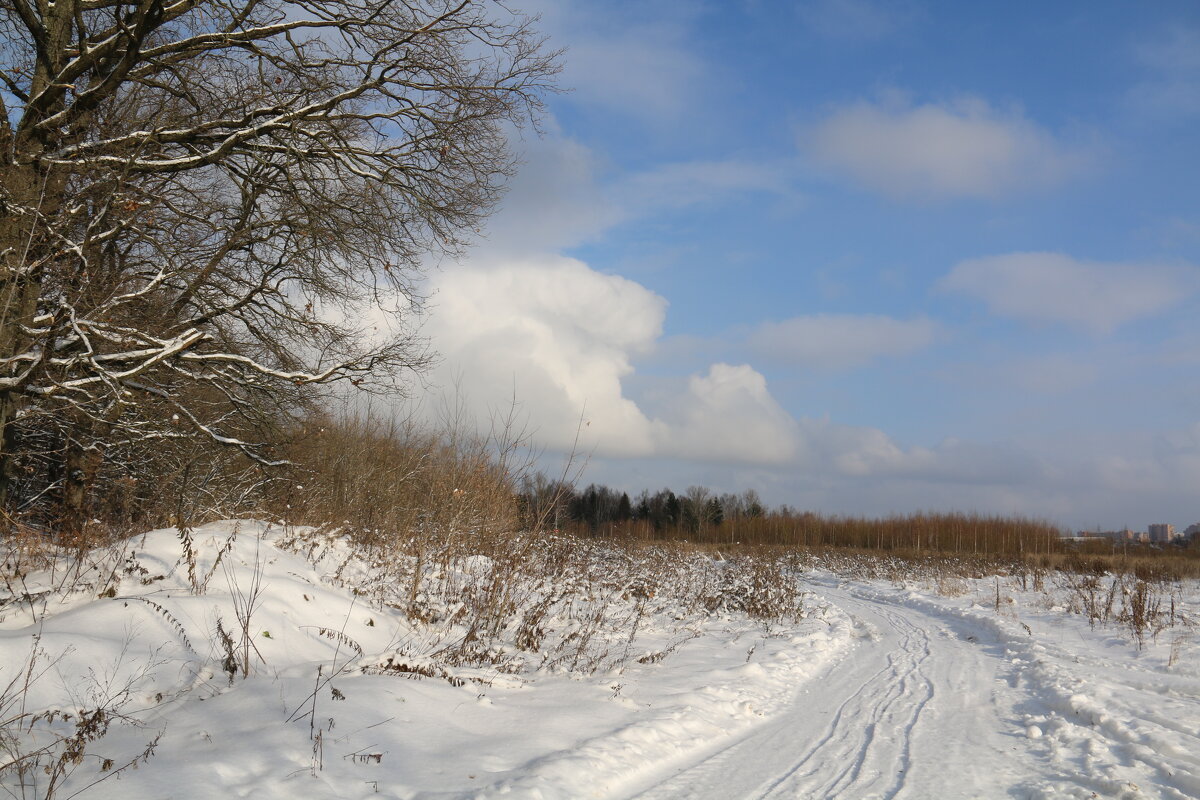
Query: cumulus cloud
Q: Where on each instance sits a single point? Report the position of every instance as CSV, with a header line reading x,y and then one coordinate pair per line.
x,y
841,340
554,333
729,412
561,336
563,339
1052,287
964,149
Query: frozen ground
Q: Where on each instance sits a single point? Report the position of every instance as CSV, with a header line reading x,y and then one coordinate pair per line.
x,y
947,689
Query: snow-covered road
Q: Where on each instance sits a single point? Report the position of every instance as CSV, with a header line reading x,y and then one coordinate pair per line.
x,y
922,707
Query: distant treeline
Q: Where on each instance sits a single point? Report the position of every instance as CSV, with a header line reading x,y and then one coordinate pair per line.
x,y
704,516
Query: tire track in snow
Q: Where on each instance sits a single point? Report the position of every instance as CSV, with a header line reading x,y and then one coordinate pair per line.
x,y
872,765
915,710
1106,727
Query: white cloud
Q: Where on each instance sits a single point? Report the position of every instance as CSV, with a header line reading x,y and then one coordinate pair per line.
x,y
729,414
1006,378
1173,61
851,20
638,61
841,340
862,452
564,195
859,453
556,200
964,149
1055,373
1082,480
1131,478
642,71
563,337
1052,287
560,336
687,183
556,334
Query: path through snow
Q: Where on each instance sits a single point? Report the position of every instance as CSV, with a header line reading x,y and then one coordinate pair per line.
x,y
921,708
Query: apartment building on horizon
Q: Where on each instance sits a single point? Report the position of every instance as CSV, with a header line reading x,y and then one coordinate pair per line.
x,y
1157,533
1161,533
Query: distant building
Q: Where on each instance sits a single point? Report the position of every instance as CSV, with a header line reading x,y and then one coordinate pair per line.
x,y
1161,533
1125,535
1155,534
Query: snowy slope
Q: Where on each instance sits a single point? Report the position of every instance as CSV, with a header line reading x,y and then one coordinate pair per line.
x,y
343,699
883,689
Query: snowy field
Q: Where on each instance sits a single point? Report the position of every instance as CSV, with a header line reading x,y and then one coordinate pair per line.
x,y
914,686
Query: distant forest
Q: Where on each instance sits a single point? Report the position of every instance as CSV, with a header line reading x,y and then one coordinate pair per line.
x,y
704,516
599,509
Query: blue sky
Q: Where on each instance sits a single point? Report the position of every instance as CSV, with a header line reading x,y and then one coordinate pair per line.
x,y
862,257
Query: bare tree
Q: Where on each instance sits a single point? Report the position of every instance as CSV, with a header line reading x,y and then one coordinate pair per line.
x,y
210,207
695,505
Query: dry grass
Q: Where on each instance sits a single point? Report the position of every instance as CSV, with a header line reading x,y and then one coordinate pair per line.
x,y
1146,563
527,600
40,750
434,528
1144,607
382,478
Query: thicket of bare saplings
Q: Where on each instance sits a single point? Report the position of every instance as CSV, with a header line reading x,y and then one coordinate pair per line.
x,y
379,478
700,515
451,491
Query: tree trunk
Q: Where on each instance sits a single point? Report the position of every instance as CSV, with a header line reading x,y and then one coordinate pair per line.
x,y
8,444
80,466
29,191
16,239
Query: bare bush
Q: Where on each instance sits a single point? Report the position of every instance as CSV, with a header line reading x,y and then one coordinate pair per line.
x,y
40,749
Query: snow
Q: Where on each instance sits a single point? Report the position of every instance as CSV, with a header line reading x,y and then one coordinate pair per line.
x,y
915,687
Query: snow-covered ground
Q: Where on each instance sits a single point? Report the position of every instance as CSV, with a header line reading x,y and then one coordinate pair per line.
x,y
946,697
961,688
